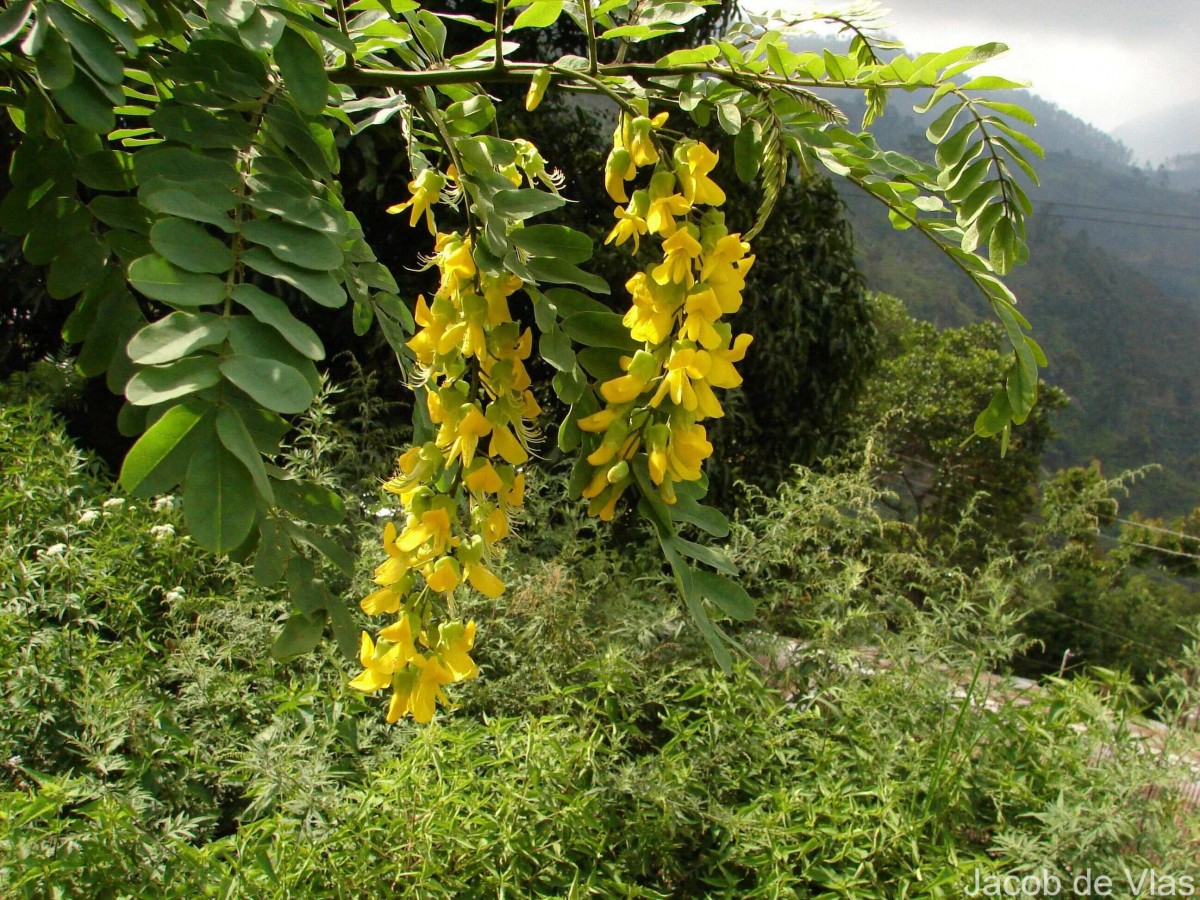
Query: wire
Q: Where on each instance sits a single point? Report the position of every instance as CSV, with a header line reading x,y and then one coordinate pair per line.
x,y
1051,215
1116,634
1151,547
1117,209
1148,527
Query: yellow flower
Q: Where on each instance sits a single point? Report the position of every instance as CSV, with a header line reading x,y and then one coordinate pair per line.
x,y
639,140
381,662
651,318
417,689
701,311
442,576
721,372
681,248
664,204
640,370
693,162
425,190
631,222
684,382
618,169
687,451
454,643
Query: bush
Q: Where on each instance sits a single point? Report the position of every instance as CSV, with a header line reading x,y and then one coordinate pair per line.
x,y
153,747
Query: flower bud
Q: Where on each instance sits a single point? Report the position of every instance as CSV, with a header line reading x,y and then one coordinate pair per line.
x,y
537,89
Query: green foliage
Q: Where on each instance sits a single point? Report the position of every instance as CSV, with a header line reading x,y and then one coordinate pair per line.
x,y
916,410
153,749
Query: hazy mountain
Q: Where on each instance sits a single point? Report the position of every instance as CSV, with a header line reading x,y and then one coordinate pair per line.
x,y
1112,288
1156,136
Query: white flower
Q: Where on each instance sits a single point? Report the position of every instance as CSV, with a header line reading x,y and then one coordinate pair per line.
x,y
163,503
162,532
113,503
176,595
88,516
384,513
54,550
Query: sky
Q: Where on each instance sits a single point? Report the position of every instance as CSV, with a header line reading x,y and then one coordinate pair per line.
x,y
1105,61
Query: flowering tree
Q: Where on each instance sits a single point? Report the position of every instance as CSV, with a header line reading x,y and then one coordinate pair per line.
x,y
178,175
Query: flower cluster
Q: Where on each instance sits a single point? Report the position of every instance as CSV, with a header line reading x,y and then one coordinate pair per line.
x,y
458,490
677,306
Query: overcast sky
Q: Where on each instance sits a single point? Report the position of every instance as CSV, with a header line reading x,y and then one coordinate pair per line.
x,y
1138,55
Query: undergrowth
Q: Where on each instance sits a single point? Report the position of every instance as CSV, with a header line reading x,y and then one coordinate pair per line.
x,y
150,746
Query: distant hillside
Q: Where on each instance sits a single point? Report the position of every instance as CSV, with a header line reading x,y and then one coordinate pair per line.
x,y
1159,135
1113,289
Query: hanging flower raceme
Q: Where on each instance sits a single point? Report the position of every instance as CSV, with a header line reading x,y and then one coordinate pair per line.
x,y
678,303
459,490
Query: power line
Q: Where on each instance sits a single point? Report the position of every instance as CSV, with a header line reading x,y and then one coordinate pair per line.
x,y
1051,215
1151,547
1117,209
1160,530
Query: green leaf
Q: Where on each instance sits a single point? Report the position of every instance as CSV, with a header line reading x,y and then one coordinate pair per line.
x,y
320,286
996,417
158,384
54,62
602,363
309,211
692,57
556,241
274,550
345,629
200,127
295,244
993,83
729,116
184,167
121,212
274,312
106,170
230,13
185,204
175,336
556,271
595,329
13,19
524,203
568,301
87,107
952,149
330,549
308,592
159,459
275,385
310,502
303,71
706,518
695,604
471,115
555,348
539,14
91,43
191,247
218,503
78,265
159,280
706,555
237,440
941,126
300,635
729,596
